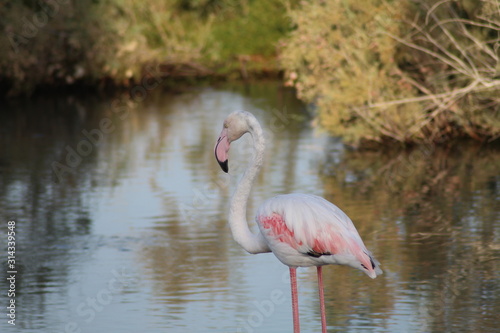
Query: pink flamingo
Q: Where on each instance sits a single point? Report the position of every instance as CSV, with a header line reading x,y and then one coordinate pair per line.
x,y
300,229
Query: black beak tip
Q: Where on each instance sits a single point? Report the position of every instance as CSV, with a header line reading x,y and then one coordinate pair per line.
x,y
224,166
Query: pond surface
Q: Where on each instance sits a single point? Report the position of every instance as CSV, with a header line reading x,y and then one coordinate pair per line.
x,y
120,212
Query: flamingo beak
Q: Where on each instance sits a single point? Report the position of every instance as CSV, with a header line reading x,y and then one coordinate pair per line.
x,y
221,150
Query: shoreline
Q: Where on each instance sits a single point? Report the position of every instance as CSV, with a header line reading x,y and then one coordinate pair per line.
x,y
172,76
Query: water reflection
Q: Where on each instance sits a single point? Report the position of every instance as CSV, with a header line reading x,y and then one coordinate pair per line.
x,y
435,216
131,234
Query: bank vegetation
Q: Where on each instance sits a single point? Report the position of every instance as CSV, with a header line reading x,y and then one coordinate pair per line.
x,y
378,71
419,71
53,43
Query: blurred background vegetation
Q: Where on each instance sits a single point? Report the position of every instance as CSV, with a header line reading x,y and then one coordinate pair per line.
x,y
405,71
420,71
60,42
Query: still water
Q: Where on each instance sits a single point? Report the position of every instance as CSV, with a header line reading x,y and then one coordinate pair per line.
x,y
120,212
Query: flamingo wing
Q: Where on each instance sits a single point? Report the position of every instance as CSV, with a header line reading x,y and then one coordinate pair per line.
x,y
316,229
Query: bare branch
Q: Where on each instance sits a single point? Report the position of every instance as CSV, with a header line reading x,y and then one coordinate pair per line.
x,y
470,22
433,8
429,52
457,46
496,23
472,87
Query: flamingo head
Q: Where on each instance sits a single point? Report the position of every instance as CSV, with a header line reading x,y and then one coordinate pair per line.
x,y
235,125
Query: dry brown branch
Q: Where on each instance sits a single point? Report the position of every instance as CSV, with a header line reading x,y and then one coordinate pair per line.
x,y
428,51
481,46
433,8
470,88
426,119
434,73
490,21
470,22
434,99
362,112
457,45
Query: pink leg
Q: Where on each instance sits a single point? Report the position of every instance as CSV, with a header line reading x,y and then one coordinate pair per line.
x,y
321,299
295,300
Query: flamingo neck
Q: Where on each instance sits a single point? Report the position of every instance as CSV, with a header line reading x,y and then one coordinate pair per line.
x,y
252,243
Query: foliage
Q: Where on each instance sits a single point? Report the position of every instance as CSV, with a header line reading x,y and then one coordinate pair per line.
x,y
407,71
60,42
42,44
396,70
152,31
263,25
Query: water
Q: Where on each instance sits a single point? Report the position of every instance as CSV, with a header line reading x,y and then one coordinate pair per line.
x,y
129,233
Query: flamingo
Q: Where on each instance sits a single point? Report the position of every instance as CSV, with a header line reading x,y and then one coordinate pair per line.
x,y
301,230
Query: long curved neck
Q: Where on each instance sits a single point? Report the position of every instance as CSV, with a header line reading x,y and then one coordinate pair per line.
x,y
252,243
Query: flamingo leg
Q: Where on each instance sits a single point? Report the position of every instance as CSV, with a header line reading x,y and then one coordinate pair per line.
x,y
295,300
321,299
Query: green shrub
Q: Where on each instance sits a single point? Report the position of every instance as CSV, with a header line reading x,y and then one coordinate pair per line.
x,y
390,70
90,40
252,29
43,44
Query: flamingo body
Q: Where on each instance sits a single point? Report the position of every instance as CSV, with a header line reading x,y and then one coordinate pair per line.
x,y
300,229
306,230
